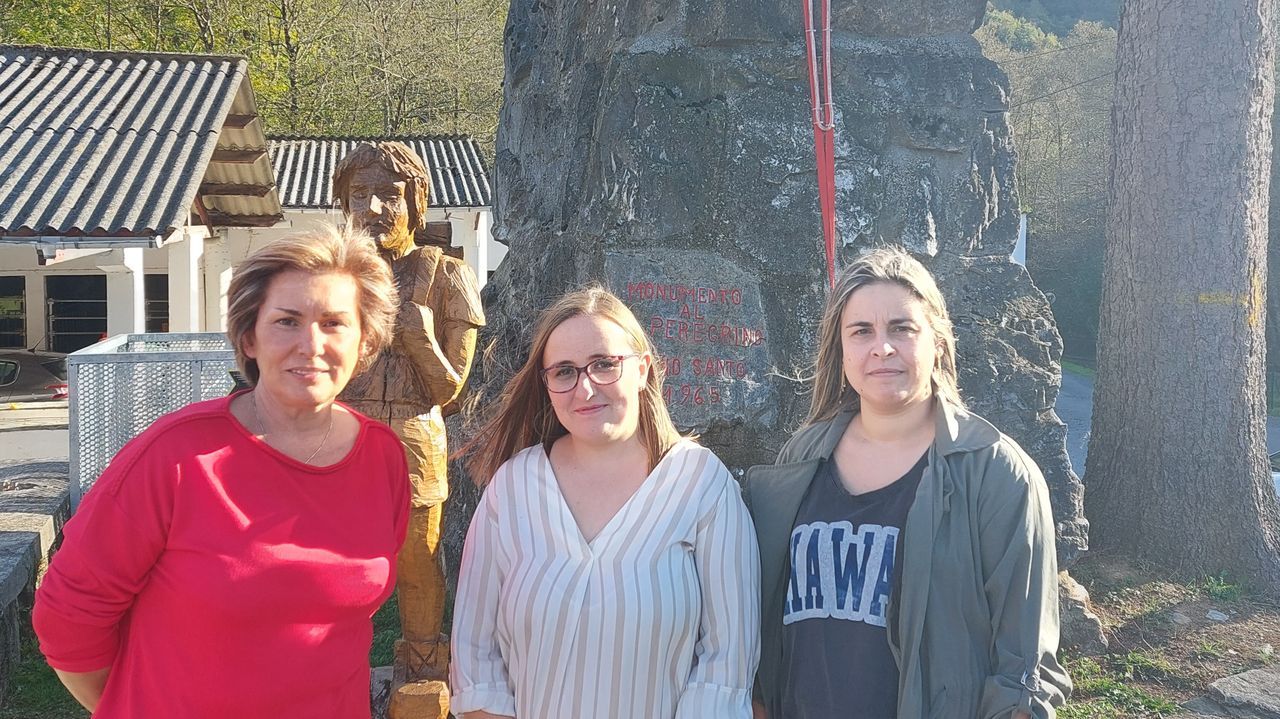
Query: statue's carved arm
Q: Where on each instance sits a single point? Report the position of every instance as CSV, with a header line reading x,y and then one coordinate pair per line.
x,y
443,365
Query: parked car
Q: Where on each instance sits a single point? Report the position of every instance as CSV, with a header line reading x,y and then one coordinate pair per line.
x,y
27,375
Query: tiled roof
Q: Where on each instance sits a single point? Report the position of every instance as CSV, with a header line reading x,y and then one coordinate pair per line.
x,y
304,168
117,144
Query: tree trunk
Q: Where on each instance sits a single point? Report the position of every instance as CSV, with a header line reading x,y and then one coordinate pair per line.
x,y
1273,261
1177,472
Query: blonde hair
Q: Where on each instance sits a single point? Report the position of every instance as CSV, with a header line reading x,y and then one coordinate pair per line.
x,y
394,157
322,250
524,415
831,393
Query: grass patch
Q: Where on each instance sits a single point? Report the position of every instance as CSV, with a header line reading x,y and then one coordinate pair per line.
x,y
34,690
386,630
1102,693
1209,649
1222,589
1145,665
1077,368
1267,654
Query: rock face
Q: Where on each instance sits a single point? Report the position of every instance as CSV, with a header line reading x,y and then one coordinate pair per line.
x,y
664,149
909,18
1081,628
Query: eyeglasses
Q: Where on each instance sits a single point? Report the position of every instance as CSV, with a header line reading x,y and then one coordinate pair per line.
x,y
601,371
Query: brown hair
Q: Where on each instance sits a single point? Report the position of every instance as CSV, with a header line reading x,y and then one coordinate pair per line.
x,y
322,250
831,394
396,158
524,415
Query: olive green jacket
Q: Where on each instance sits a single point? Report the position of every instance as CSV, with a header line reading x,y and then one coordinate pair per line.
x,y
974,627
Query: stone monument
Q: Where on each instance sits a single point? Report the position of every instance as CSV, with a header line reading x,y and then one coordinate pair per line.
x,y
665,148
383,190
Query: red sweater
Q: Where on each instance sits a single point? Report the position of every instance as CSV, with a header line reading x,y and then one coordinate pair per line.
x,y
220,578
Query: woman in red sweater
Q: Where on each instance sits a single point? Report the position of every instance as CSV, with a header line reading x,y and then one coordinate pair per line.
x,y
228,561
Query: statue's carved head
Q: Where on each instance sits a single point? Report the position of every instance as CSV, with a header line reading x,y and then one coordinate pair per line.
x,y
383,190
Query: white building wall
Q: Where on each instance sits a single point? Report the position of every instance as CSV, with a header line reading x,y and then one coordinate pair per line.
x,y
199,266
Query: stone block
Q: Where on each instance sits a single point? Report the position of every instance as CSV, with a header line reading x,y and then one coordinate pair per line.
x,y
1081,628
34,504
1257,690
419,700
679,150
706,318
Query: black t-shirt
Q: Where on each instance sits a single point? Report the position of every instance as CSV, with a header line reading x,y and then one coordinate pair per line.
x,y
843,550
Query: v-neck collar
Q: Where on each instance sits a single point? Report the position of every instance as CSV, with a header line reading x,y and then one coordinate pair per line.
x,y
610,526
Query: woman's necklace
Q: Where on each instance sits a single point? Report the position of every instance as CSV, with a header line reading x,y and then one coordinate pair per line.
x,y
253,404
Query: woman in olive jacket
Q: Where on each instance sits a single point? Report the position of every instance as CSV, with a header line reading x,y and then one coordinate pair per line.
x,y
906,545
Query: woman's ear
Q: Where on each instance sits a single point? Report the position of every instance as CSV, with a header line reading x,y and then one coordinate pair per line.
x,y
646,362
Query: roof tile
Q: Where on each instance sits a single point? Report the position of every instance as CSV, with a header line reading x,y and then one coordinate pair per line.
x,y
108,143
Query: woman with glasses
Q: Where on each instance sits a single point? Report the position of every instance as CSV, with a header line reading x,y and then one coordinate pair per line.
x,y
610,569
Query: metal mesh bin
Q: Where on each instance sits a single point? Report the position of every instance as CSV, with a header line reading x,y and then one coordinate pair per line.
x,y
119,386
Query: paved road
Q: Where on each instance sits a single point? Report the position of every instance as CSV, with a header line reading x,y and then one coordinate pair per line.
x,y
1075,407
33,432
33,445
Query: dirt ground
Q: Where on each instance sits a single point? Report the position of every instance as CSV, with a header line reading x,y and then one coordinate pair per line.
x,y
1164,647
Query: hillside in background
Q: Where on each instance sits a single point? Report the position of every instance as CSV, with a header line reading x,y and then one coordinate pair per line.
x,y
1060,108
1060,16
338,67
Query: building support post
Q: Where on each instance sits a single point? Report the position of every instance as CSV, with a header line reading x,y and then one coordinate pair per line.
x,y
186,295
37,309
126,294
484,261
217,283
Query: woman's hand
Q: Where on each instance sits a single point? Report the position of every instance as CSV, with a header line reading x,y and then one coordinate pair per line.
x,y
85,687
757,710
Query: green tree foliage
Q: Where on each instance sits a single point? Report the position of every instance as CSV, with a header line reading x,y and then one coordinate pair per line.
x,y
1014,36
1060,16
1060,106
348,67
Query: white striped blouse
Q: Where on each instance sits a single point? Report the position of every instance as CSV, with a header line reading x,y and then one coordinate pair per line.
x,y
656,618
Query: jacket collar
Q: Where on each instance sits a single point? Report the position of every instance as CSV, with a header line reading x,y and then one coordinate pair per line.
x,y
826,445
955,430
958,430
